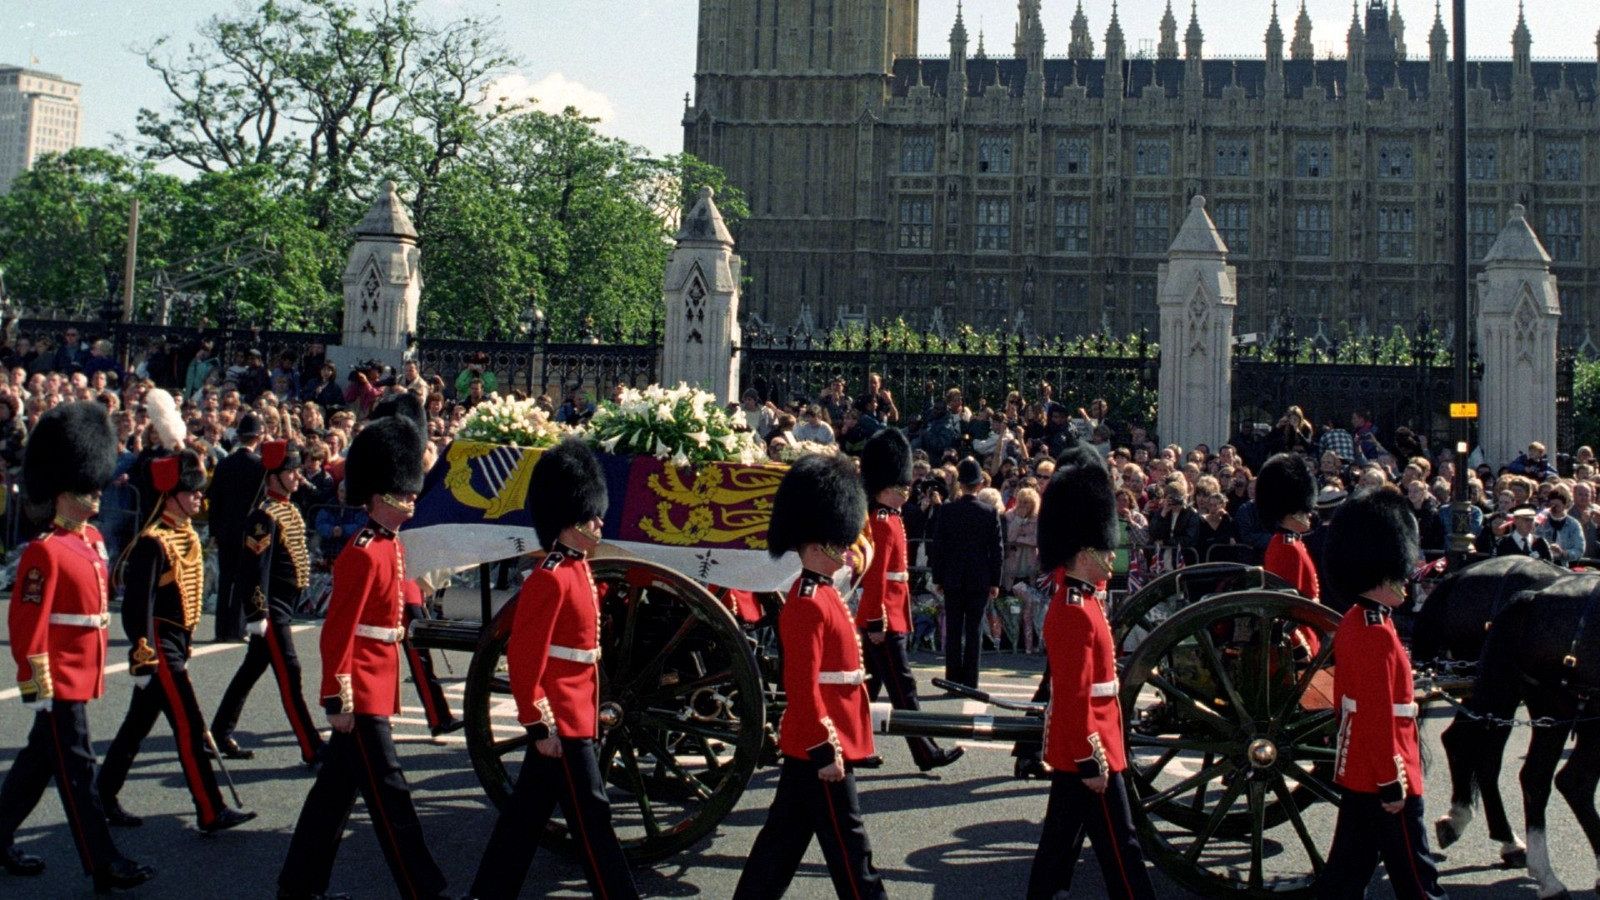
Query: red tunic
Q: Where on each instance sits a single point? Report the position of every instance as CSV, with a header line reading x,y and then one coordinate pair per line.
x,y
366,619
1377,699
1288,558
1083,721
554,651
827,714
59,616
743,604
886,588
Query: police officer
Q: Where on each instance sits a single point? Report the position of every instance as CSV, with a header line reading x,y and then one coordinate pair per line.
x,y
818,512
57,625
274,569
163,579
1285,496
966,557
1372,550
235,490
884,615
361,678
1083,724
554,655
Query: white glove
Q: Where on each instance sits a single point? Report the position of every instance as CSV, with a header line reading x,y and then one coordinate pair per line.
x,y
141,681
258,628
41,705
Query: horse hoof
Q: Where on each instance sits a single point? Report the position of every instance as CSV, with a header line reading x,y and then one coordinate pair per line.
x,y
1445,831
1516,859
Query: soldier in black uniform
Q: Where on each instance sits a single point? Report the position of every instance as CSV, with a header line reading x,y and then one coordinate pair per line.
x,y
235,490
163,577
274,569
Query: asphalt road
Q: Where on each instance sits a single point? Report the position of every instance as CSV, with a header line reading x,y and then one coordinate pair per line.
x,y
971,832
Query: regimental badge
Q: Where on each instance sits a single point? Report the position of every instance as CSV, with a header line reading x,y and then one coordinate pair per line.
x,y
365,537
1073,597
1374,616
1290,537
142,656
883,514
33,587
259,540
552,560
808,587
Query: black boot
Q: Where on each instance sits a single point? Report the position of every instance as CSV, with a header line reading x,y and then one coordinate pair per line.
x,y
230,748
451,726
122,874
117,816
942,758
1030,767
227,818
24,865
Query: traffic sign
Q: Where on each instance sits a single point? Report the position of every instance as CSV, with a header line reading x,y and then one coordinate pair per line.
x,y
1463,410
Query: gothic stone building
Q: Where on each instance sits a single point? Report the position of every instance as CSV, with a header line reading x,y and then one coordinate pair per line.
x,y
1045,191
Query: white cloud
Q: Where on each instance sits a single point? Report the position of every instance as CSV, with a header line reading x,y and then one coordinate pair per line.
x,y
552,93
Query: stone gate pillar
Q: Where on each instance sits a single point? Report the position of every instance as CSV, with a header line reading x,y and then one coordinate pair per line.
x,y
1197,294
1519,313
382,287
701,293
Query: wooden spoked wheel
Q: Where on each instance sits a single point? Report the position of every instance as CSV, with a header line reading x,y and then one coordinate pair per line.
x,y
1145,610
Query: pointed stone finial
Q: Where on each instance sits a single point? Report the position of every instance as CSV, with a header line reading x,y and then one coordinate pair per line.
x,y
1521,36
1517,244
1193,37
704,224
1198,236
1168,47
387,217
1301,48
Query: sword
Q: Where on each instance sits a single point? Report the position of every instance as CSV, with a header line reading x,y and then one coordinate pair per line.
x,y
216,754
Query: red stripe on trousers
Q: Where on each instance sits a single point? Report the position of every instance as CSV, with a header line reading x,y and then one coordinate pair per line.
x,y
419,676
66,794
280,669
1116,851
838,833
180,730
380,815
583,832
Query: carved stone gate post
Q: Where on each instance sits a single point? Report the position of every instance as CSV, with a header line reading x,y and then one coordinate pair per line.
x,y
1197,293
701,293
382,287
1519,313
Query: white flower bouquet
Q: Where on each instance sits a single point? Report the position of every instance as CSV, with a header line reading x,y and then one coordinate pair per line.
x,y
793,452
683,425
508,421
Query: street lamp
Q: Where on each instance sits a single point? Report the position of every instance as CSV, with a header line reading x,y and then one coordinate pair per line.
x,y
1461,536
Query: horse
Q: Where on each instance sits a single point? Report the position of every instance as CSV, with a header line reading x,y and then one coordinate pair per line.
x,y
1452,626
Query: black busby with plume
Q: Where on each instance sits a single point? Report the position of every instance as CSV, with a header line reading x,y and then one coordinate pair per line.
x,y
72,450
385,458
1284,486
886,461
1078,512
567,488
1373,540
819,501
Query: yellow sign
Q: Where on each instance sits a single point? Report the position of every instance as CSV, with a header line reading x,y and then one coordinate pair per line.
x,y
1463,410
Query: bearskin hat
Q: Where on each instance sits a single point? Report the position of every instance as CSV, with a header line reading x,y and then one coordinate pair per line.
x,y
385,458
567,488
1284,486
165,419
280,456
405,404
73,450
1373,540
819,501
1079,511
885,461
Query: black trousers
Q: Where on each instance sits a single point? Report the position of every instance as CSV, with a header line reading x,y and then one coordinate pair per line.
x,y
889,667
1364,834
1106,818
170,693
420,661
572,780
1035,749
275,649
58,748
361,760
963,640
806,806
230,608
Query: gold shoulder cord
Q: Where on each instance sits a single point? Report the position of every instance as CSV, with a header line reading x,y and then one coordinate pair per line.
x,y
292,534
185,568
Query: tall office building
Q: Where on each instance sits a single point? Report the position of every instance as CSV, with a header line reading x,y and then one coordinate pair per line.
x,y
39,114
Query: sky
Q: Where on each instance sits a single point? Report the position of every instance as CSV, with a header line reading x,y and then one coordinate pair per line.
x,y
629,62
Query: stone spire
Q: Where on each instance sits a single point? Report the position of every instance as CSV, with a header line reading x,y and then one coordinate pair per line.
x,y
956,91
1168,48
1030,28
1274,52
1301,48
980,53
1115,51
1082,45
1438,54
387,218
1397,27
1521,53
1517,244
1193,39
1356,48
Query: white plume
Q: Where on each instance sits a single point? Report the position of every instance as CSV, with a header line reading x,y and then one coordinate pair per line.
x,y
165,418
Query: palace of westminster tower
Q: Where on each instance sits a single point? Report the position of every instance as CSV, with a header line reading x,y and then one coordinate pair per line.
x,y
1040,192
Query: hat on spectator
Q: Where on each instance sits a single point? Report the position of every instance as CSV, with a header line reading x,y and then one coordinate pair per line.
x,y
567,488
1284,486
385,458
819,501
1524,512
1078,512
1373,540
968,472
249,426
72,450
885,461
280,456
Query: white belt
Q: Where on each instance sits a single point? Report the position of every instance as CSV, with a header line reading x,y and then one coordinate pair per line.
x,y
386,635
1401,710
897,576
103,620
854,676
573,654
1103,688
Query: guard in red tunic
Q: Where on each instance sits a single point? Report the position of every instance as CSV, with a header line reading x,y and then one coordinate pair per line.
x,y
1285,496
274,569
361,678
57,625
884,615
826,729
1372,550
554,656
163,578
1083,723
